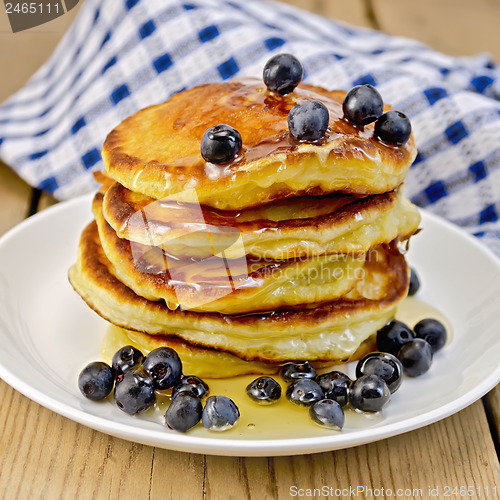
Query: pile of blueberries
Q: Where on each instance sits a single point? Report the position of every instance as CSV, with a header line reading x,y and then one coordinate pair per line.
x,y
308,121
378,374
135,379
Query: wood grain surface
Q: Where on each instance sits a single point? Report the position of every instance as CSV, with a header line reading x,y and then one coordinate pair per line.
x,y
15,198
46,456
21,54
456,27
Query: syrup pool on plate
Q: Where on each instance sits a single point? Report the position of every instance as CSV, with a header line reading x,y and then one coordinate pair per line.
x,y
411,310
283,419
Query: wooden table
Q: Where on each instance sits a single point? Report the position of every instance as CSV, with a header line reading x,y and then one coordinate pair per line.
x,y
43,455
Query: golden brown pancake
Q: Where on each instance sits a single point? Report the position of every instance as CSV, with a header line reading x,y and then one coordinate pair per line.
x,y
296,227
329,332
217,284
200,361
156,151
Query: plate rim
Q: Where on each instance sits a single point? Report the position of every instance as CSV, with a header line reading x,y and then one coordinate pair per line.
x,y
238,446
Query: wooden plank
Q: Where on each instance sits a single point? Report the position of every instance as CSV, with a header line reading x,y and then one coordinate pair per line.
x,y
47,456
31,47
492,401
352,11
44,455
457,27
15,197
46,201
177,475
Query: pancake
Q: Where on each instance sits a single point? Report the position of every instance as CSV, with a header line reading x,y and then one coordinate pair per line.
x,y
329,332
156,151
200,361
296,227
216,284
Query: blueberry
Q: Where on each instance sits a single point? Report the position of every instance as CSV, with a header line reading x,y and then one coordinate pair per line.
x,y
282,73
308,120
432,331
135,393
264,390
393,127
416,357
163,366
184,412
220,413
384,365
393,336
304,392
335,385
191,385
363,104
369,393
96,380
327,413
414,283
124,359
220,144
298,369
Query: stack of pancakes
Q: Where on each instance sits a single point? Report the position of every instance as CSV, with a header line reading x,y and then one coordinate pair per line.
x,y
292,251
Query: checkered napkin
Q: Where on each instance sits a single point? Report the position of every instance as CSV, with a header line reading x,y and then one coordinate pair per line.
x,y
122,55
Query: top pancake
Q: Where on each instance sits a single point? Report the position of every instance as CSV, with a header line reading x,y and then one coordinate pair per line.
x,y
156,151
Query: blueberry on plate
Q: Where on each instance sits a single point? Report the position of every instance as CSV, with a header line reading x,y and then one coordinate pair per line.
x,y
191,385
184,412
327,413
220,413
393,336
282,73
264,390
304,392
135,393
414,283
433,332
308,121
363,104
163,366
297,369
384,365
335,385
416,357
126,358
393,127
96,380
369,393
220,144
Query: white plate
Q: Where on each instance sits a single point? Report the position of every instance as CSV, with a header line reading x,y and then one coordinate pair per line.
x,y
48,334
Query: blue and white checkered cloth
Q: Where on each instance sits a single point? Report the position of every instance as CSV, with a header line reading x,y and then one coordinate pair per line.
x,y
122,55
